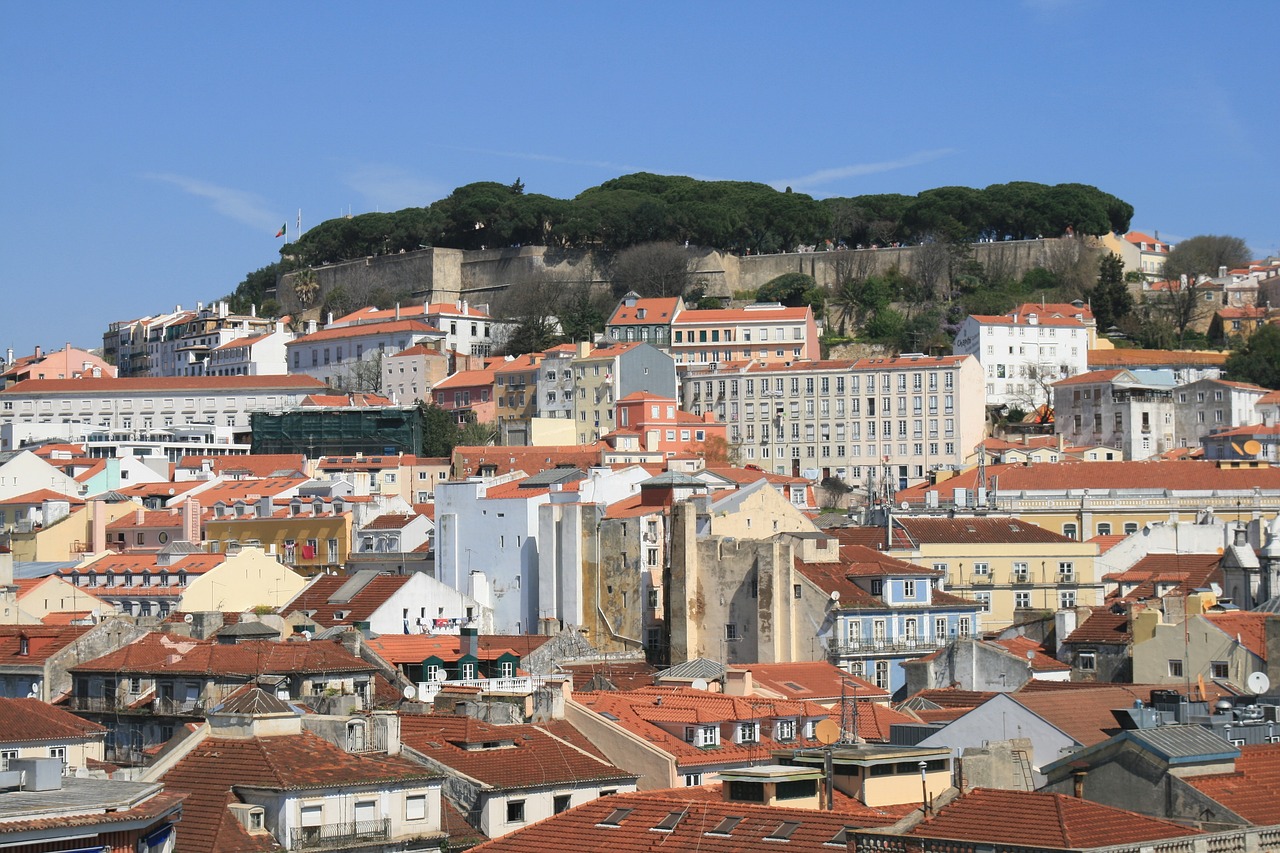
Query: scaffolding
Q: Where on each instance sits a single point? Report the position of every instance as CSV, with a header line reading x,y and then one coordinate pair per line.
x,y
337,431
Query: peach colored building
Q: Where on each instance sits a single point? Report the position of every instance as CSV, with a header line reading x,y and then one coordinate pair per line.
x,y
468,394
662,426
765,332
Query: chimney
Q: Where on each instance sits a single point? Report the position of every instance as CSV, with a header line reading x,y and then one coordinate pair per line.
x,y
1222,272
328,319
191,520
265,507
139,515
738,682
469,642
98,526
1079,771
253,310
39,352
397,310
8,356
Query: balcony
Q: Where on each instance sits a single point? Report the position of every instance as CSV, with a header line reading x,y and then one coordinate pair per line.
x,y
1066,577
178,707
866,647
1022,577
336,836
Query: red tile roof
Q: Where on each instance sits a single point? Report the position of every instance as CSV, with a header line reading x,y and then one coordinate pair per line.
x,y
468,460
742,315
640,712
626,823
656,310
1086,715
391,521
1041,820
1249,627
399,649
139,564
349,401
623,675
256,464
1153,357
1104,628
1033,653
196,384
971,530
1253,789
43,641
317,596
162,653
285,763
1187,571
1101,476
362,330
33,720
466,379
813,681
38,497
518,756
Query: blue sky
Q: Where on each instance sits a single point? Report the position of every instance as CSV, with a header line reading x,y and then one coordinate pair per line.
x,y
151,150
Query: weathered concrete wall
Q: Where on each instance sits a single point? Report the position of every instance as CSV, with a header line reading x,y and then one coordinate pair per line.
x,y
442,275
104,638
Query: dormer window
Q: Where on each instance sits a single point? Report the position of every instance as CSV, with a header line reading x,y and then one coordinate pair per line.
x,y
747,733
703,736
877,586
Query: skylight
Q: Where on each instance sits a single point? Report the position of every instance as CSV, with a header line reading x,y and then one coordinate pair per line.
x,y
668,823
615,818
783,832
725,826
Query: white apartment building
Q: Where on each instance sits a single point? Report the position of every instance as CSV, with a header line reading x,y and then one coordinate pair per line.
x,y
465,328
848,419
1130,410
332,354
256,355
141,406
1024,352
766,332
1213,405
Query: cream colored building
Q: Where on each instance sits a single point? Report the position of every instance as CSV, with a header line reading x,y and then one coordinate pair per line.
x,y
245,580
1005,564
900,418
1182,641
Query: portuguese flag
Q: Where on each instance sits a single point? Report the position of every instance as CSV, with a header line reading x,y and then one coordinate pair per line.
x,y
280,233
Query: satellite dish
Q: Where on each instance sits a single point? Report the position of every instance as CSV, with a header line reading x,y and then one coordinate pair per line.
x,y
410,692
835,595
827,732
1252,447
1258,683
34,694
439,676
306,635
699,684
1031,654
905,506
188,618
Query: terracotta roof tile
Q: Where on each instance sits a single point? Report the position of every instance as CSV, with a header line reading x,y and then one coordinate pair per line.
x,y
362,330
1041,820
1253,789
317,596
509,756
290,762
813,681
291,382
42,642
33,720
986,530
162,653
1104,628
656,310
632,819
1249,627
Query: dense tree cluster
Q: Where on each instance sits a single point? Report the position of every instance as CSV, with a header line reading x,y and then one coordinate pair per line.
x,y
730,216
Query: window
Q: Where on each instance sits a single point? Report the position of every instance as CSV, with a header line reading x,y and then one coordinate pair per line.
x,y
1022,599
748,732
560,803
983,598
1104,528
1066,598
515,811
1130,528
1175,669
982,569
882,674
5,755
59,752
877,586
692,780
731,631
908,589
784,730
1069,530
1218,669
1087,661
1021,574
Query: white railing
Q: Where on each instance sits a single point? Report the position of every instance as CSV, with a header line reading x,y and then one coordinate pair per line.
x,y
519,685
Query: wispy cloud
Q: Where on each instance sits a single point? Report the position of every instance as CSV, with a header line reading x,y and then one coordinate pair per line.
x,y
242,206
826,176
392,188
